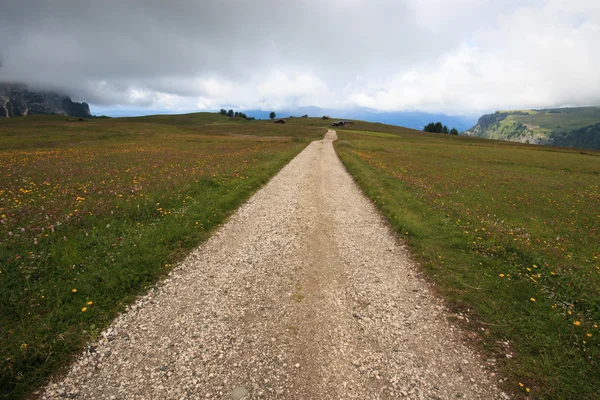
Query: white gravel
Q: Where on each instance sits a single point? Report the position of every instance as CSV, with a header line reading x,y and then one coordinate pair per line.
x,y
304,293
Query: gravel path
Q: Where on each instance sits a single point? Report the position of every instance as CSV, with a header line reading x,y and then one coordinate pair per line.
x,y
304,294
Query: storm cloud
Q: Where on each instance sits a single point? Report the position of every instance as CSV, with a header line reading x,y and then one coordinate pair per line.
x,y
460,56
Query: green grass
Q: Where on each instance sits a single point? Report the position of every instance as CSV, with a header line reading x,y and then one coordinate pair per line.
x,y
202,118
108,206
93,213
509,234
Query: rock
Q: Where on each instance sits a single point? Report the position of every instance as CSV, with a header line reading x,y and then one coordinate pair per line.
x,y
17,100
239,393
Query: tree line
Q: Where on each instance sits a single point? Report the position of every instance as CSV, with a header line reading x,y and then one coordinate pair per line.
x,y
587,137
232,114
437,127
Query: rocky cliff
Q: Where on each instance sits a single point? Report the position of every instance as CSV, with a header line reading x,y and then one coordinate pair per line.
x,y
17,100
569,127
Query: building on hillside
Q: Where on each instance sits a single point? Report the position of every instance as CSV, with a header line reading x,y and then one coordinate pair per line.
x,y
326,117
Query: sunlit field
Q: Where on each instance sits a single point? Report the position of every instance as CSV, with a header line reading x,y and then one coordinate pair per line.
x,y
94,212
510,234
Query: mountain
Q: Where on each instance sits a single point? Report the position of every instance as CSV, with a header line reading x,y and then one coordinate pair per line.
x,y
16,100
568,127
408,119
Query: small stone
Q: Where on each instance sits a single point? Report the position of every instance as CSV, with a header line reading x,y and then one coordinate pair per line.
x,y
297,365
239,393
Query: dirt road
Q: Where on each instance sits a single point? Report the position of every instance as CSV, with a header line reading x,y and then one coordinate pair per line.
x,y
304,294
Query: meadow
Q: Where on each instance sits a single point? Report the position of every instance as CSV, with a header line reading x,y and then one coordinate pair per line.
x,y
93,213
509,233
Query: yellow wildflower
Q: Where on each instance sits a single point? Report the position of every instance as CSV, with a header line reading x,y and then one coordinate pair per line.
x,y
89,303
74,290
532,299
501,275
84,309
576,323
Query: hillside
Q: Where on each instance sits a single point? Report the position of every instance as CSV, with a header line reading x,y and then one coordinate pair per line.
x,y
17,100
567,127
409,119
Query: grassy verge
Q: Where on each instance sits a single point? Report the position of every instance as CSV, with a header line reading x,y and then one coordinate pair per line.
x,y
92,213
509,233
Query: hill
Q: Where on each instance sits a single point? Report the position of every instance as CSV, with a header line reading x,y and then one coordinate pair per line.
x,y
17,100
568,127
409,119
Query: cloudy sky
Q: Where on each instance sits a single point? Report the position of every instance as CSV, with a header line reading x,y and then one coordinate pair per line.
x,y
449,56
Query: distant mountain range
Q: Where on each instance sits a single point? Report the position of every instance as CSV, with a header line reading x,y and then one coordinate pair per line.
x,y
568,127
409,119
17,100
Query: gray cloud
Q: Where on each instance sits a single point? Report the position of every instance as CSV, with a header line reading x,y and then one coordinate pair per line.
x,y
437,55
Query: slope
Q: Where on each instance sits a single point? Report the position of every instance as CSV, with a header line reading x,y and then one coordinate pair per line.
x,y
569,127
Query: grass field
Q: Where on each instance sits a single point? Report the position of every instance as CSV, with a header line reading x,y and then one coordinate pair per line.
x,y
510,235
94,212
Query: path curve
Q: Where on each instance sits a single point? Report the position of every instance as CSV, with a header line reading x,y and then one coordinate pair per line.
x,y
304,293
